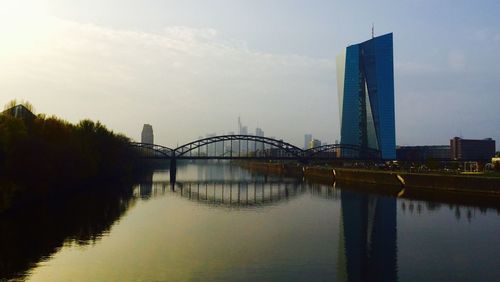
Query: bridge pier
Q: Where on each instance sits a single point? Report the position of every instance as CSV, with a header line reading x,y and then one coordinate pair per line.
x,y
173,172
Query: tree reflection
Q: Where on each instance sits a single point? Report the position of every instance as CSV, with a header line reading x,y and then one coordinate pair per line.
x,y
31,233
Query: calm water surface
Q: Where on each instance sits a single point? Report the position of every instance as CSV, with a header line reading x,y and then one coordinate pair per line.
x,y
223,223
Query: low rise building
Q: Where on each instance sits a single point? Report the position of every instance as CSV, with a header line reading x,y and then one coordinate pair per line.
x,y
472,149
19,111
423,153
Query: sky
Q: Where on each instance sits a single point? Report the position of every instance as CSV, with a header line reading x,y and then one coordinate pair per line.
x,y
190,68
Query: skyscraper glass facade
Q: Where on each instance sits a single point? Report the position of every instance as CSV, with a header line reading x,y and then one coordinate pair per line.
x,y
365,79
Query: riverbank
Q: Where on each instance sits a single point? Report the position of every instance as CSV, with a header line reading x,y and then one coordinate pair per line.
x,y
463,184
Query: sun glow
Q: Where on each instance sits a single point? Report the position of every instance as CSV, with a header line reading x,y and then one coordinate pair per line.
x,y
24,26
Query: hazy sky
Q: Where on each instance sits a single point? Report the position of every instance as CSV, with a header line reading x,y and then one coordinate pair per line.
x,y
191,67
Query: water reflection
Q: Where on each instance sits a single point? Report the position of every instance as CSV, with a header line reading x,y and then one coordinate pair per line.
x,y
418,207
367,238
223,223
367,234
146,186
32,233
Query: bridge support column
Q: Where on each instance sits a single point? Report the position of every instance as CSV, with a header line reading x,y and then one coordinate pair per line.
x,y
173,172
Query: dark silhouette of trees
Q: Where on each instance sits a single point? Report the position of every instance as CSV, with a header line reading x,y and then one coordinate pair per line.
x,y
41,155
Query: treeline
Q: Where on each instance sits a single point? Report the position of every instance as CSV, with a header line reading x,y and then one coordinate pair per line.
x,y
47,153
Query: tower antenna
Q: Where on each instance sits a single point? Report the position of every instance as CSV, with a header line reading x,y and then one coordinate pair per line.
x,y
373,32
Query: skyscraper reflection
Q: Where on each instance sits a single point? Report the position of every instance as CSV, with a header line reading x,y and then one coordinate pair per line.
x,y
367,250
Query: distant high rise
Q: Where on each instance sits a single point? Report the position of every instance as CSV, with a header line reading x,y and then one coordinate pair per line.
x,y
307,140
259,132
244,130
147,134
365,79
314,143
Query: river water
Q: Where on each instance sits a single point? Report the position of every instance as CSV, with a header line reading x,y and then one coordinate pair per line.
x,y
225,223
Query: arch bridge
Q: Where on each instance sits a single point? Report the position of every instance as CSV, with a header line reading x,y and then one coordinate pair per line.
x,y
252,147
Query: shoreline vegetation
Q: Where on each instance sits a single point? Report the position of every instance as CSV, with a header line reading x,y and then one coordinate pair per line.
x,y
41,155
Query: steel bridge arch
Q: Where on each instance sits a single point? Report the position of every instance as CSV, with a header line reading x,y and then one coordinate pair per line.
x,y
157,150
287,147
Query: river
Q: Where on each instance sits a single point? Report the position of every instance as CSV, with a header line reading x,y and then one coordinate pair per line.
x,y
224,223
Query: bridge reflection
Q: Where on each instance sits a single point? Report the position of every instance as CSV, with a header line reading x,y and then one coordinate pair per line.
x,y
368,227
237,193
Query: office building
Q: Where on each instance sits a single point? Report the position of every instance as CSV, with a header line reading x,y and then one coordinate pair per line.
x,y
242,130
259,132
307,140
314,143
472,149
365,79
147,134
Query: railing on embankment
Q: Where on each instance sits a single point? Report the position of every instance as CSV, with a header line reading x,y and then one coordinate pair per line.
x,y
434,182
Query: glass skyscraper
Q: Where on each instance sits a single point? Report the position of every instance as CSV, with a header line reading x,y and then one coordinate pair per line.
x,y
365,80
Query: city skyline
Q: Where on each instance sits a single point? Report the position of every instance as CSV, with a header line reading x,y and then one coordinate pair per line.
x,y
111,62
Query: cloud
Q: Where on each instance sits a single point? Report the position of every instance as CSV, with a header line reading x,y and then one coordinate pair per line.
x,y
413,68
126,78
454,61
